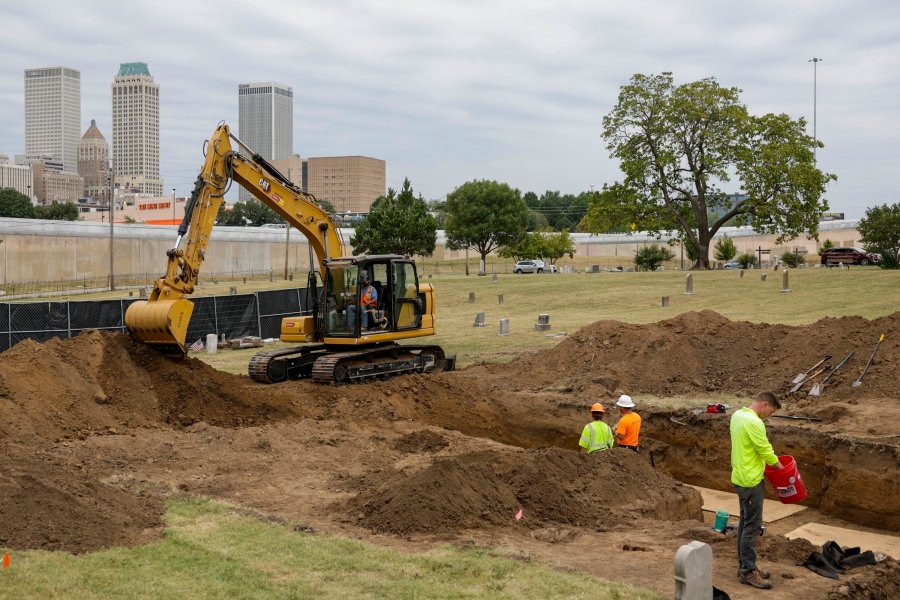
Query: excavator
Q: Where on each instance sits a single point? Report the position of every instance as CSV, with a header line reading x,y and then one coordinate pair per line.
x,y
351,334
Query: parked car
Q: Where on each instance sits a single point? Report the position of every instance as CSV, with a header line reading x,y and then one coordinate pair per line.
x,y
529,266
849,256
732,264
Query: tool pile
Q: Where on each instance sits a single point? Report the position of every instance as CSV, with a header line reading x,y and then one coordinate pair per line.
x,y
823,367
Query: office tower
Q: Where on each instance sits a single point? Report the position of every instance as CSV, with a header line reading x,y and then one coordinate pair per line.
x,y
93,164
266,120
135,135
350,183
53,114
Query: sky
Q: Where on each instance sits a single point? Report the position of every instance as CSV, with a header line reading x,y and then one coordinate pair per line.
x,y
450,91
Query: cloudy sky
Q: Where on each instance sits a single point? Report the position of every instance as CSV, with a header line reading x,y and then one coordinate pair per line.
x,y
449,91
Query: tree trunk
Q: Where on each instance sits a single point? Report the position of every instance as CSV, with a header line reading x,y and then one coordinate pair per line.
x,y
467,260
703,238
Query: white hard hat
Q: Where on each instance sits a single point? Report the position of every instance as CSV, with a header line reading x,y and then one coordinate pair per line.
x,y
625,401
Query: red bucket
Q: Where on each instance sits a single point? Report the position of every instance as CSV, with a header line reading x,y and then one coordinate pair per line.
x,y
786,481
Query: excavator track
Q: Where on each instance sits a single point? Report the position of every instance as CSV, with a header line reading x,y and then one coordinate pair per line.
x,y
377,363
274,366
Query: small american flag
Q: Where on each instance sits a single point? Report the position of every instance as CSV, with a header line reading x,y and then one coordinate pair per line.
x,y
196,346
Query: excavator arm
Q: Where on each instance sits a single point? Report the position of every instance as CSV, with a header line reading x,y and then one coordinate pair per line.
x,y
162,320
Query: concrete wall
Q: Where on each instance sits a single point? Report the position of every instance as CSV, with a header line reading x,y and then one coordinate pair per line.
x,y
36,250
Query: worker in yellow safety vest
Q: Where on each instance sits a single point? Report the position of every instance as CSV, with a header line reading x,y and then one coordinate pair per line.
x,y
596,435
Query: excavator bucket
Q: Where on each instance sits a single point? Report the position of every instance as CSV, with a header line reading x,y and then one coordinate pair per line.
x,y
160,323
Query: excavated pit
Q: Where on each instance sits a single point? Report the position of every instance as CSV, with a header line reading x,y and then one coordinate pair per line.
x,y
97,431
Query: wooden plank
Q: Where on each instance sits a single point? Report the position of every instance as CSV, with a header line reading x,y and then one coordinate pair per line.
x,y
818,534
773,510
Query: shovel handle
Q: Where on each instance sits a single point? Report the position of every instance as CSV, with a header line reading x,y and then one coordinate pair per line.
x,y
839,365
881,339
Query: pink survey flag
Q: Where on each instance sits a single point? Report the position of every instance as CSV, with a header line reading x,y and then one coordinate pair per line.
x,y
519,514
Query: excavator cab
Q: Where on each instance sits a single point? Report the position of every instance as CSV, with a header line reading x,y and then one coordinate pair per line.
x,y
371,298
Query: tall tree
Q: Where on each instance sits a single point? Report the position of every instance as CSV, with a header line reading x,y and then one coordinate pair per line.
x,y
58,211
15,204
397,224
678,144
879,231
484,215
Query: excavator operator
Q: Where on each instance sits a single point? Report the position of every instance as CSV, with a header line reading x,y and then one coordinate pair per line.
x,y
368,299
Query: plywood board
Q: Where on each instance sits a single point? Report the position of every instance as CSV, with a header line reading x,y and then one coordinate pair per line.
x,y
773,510
818,534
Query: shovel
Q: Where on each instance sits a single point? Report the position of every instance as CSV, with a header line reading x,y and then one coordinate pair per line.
x,y
858,381
802,376
817,387
810,378
795,417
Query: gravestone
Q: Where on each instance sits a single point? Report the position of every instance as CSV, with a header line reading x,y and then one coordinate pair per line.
x,y
499,298
689,285
212,343
504,326
693,572
543,323
471,297
665,301
784,281
479,320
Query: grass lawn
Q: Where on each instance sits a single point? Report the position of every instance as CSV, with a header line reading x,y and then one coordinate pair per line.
x,y
210,551
574,300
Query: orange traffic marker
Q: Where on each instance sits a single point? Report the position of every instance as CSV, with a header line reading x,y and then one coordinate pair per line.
x,y
6,560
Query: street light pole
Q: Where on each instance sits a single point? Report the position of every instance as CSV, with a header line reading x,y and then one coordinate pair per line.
x,y
815,61
112,220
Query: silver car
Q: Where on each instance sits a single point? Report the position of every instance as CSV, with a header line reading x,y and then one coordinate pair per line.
x,y
528,266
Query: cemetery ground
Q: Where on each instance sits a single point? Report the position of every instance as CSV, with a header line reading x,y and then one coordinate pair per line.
x,y
128,474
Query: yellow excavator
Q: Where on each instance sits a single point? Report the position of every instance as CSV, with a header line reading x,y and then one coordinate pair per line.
x,y
365,304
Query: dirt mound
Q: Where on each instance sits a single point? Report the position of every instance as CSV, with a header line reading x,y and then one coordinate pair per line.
x,y
48,502
703,352
98,380
880,582
421,441
551,486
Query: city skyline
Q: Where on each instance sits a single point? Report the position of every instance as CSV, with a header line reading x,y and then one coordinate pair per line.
x,y
509,91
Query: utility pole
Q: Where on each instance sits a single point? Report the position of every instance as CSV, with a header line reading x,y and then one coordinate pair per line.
x,y
287,249
815,61
174,216
112,220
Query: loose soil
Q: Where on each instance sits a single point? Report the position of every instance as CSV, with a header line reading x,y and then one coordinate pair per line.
x,y
97,431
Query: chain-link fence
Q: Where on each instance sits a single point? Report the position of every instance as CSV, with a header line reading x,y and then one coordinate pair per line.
x,y
233,316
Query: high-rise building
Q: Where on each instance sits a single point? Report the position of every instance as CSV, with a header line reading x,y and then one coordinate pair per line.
x,y
266,120
53,114
135,135
93,164
17,177
350,183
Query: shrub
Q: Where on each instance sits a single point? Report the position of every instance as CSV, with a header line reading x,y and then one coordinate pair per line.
x,y
793,259
651,257
748,260
725,249
826,245
879,232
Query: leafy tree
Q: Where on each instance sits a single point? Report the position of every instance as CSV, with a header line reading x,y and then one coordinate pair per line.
x,y
677,144
651,257
558,245
530,245
484,215
725,249
542,245
826,245
15,204
57,211
438,210
748,260
129,219
879,231
397,224
250,213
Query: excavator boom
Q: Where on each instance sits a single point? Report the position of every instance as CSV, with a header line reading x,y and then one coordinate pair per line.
x,y
162,320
